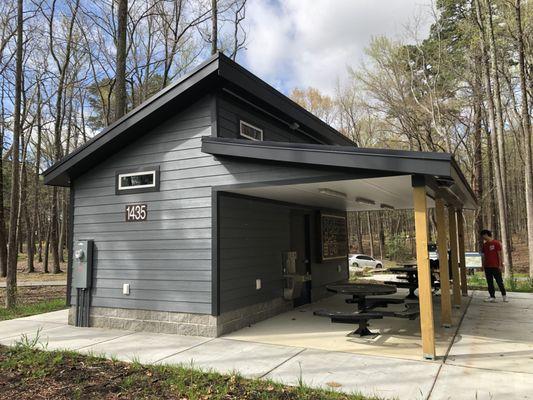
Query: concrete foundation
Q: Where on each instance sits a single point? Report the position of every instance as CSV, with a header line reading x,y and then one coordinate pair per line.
x,y
182,323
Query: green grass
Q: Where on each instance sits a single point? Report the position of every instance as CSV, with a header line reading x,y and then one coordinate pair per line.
x,y
30,372
518,283
26,310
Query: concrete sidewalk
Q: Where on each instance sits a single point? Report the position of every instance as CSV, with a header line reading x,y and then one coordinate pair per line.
x,y
489,359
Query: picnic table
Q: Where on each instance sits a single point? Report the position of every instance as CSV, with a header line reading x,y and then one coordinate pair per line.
x,y
359,293
411,274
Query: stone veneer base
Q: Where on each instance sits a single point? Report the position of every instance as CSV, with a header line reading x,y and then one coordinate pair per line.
x,y
182,323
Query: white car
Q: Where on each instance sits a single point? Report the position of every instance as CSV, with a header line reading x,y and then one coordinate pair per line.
x,y
363,261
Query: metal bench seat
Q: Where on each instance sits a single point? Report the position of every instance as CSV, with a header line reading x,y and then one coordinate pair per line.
x,y
351,318
403,285
377,302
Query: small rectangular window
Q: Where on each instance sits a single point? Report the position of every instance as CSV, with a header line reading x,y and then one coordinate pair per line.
x,y
250,131
137,182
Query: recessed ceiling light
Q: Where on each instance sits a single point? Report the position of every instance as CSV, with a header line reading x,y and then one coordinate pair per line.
x,y
331,192
363,200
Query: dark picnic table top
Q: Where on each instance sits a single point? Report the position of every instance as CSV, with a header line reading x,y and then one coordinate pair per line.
x,y
405,269
361,289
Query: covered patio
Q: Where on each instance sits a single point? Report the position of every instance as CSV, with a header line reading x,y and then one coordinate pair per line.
x,y
397,338
351,179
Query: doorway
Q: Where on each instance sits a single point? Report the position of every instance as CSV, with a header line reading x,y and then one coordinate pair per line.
x,y
300,242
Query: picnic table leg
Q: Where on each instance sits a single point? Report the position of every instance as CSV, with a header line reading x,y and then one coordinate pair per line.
x,y
412,281
362,330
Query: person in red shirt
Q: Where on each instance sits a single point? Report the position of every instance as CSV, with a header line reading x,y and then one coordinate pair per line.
x,y
492,265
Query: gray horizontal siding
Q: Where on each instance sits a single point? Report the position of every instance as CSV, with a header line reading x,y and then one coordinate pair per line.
x,y
230,112
166,260
154,304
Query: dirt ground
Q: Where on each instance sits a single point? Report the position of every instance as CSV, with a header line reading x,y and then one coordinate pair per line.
x,y
35,294
38,275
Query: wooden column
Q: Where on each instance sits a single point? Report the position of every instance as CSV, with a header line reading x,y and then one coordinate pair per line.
x,y
462,257
454,257
425,295
442,246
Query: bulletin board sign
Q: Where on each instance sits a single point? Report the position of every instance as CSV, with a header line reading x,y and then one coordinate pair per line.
x,y
333,236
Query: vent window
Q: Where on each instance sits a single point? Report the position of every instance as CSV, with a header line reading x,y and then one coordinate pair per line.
x,y
138,181
250,131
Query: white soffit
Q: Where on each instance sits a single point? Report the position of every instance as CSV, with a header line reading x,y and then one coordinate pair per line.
x,y
395,191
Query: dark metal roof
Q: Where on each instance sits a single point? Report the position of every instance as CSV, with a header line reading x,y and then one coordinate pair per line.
x,y
219,71
432,166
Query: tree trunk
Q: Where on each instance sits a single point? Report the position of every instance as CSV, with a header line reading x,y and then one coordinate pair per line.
x,y
370,233
526,126
498,179
47,250
120,79
54,233
214,27
27,222
11,279
381,237
478,155
36,183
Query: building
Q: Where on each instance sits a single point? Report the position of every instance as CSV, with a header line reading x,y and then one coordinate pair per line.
x,y
219,198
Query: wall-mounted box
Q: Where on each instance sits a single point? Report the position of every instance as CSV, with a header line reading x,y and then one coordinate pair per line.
x,y
82,264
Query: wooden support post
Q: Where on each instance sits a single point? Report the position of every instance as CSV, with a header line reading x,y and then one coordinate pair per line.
x,y
442,246
454,257
425,295
462,256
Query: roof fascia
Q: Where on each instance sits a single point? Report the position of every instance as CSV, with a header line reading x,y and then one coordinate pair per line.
x,y
330,156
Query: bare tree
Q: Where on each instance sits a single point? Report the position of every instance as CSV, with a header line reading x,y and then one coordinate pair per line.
x,y
214,26
526,127
120,68
11,278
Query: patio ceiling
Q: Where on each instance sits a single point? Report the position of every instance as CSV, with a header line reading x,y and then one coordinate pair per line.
x,y
349,194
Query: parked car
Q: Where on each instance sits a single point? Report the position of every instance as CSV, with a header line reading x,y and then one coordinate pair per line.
x,y
364,261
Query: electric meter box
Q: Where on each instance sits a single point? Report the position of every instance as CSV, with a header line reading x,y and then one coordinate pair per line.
x,y
82,264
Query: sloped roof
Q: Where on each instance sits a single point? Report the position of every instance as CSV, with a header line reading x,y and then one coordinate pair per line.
x,y
217,72
439,171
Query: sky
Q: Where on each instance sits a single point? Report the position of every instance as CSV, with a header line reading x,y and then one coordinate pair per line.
x,y
311,43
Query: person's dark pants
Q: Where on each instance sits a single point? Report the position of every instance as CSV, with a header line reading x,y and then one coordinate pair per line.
x,y
491,274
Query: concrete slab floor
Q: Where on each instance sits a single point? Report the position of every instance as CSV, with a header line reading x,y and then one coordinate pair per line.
x,y
398,337
460,383
18,327
384,377
496,336
56,317
144,347
252,360
66,337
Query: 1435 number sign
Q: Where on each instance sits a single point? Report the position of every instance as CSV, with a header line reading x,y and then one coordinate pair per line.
x,y
136,212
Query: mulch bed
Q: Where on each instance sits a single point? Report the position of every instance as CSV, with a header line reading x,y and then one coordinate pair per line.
x,y
26,373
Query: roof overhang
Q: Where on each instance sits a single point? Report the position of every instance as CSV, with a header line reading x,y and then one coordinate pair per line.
x,y
219,72
437,171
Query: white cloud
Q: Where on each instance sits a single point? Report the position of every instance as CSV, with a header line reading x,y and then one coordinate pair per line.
x,y
301,43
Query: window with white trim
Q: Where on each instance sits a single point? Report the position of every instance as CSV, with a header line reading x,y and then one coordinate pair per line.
x,y
137,181
250,131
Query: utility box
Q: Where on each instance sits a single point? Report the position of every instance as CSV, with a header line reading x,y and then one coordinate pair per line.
x,y
82,264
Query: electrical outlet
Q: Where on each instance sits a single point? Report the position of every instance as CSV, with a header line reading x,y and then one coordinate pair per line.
x,y
126,288
258,284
